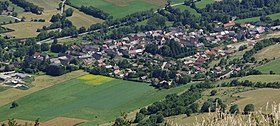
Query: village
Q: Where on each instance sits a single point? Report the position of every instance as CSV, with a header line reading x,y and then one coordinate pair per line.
x,y
128,59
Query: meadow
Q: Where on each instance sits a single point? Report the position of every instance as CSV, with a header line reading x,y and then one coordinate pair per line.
x,y
86,98
273,65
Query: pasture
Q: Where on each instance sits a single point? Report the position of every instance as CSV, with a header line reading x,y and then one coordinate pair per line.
x,y
270,52
273,65
83,98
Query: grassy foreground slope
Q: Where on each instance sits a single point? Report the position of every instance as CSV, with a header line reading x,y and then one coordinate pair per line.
x,y
86,99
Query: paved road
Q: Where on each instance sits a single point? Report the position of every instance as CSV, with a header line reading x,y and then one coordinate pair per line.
x,y
50,40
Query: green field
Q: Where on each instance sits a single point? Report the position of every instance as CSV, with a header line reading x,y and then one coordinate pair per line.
x,y
82,99
255,19
270,66
119,8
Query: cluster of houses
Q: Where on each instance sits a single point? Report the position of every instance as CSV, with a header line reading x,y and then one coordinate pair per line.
x,y
13,79
106,53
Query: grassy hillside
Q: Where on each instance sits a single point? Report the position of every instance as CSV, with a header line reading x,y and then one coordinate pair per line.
x,y
81,98
270,66
268,52
262,78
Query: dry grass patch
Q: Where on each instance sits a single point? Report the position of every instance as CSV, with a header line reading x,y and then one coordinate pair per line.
x,y
25,29
63,121
259,98
269,52
40,82
261,78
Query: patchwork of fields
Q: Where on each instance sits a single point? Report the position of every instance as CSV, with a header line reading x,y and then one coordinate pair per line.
x,y
97,99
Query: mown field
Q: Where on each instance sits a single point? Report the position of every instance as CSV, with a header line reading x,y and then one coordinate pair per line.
x,y
273,65
97,99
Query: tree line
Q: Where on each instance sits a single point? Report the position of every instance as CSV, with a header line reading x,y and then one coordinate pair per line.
x,y
248,83
28,7
95,12
224,10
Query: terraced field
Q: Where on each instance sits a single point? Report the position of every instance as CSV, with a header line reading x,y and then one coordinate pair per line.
x,y
96,99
